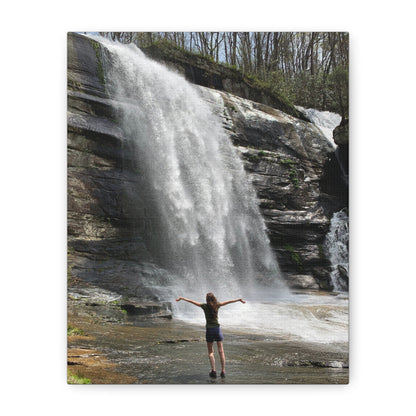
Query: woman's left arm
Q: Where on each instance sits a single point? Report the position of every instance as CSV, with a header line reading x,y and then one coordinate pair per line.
x,y
232,301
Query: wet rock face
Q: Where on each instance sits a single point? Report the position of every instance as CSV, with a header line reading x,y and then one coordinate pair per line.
x,y
287,160
285,157
105,219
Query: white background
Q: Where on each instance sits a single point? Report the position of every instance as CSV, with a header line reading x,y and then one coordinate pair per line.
x,y
33,206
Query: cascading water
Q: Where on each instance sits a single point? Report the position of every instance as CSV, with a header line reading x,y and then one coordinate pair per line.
x,y
208,230
207,233
326,121
336,245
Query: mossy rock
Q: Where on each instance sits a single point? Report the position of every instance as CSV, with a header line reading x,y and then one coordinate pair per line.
x,y
202,70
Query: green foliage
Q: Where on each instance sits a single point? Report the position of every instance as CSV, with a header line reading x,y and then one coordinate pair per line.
x,y
338,81
321,91
74,331
252,158
268,85
168,47
233,67
255,157
295,257
293,174
77,379
230,107
100,70
280,84
289,162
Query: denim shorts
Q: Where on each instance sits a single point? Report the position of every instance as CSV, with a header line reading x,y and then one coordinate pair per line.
x,y
214,334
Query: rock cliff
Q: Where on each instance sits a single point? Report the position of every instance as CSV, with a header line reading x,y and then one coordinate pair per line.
x,y
292,165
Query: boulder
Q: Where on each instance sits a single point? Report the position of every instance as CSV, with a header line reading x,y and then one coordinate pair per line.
x,y
341,133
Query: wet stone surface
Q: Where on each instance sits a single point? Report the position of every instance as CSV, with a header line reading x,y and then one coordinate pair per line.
x,y
129,349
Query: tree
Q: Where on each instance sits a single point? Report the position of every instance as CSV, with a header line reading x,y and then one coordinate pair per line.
x,y
309,67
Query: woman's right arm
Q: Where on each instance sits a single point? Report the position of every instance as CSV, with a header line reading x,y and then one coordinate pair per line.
x,y
189,300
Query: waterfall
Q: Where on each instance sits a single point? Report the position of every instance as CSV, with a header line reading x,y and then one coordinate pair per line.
x,y
207,230
336,245
326,121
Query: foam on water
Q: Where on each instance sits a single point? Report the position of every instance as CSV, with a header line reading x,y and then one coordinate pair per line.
x,y
308,318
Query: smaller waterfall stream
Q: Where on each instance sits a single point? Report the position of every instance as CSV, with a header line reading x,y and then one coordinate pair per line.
x,y
326,121
336,245
336,242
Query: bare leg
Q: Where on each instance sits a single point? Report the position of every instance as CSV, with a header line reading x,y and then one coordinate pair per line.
x,y
211,355
222,355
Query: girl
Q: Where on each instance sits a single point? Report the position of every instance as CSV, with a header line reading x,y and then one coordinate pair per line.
x,y
213,330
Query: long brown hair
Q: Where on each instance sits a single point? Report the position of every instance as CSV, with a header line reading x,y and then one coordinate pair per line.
x,y
213,304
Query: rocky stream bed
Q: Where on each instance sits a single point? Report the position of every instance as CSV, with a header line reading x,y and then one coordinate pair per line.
x,y
123,344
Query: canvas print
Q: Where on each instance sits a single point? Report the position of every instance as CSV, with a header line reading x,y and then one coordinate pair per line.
x,y
208,222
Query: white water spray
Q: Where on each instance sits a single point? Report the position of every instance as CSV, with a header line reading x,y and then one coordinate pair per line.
x,y
208,230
